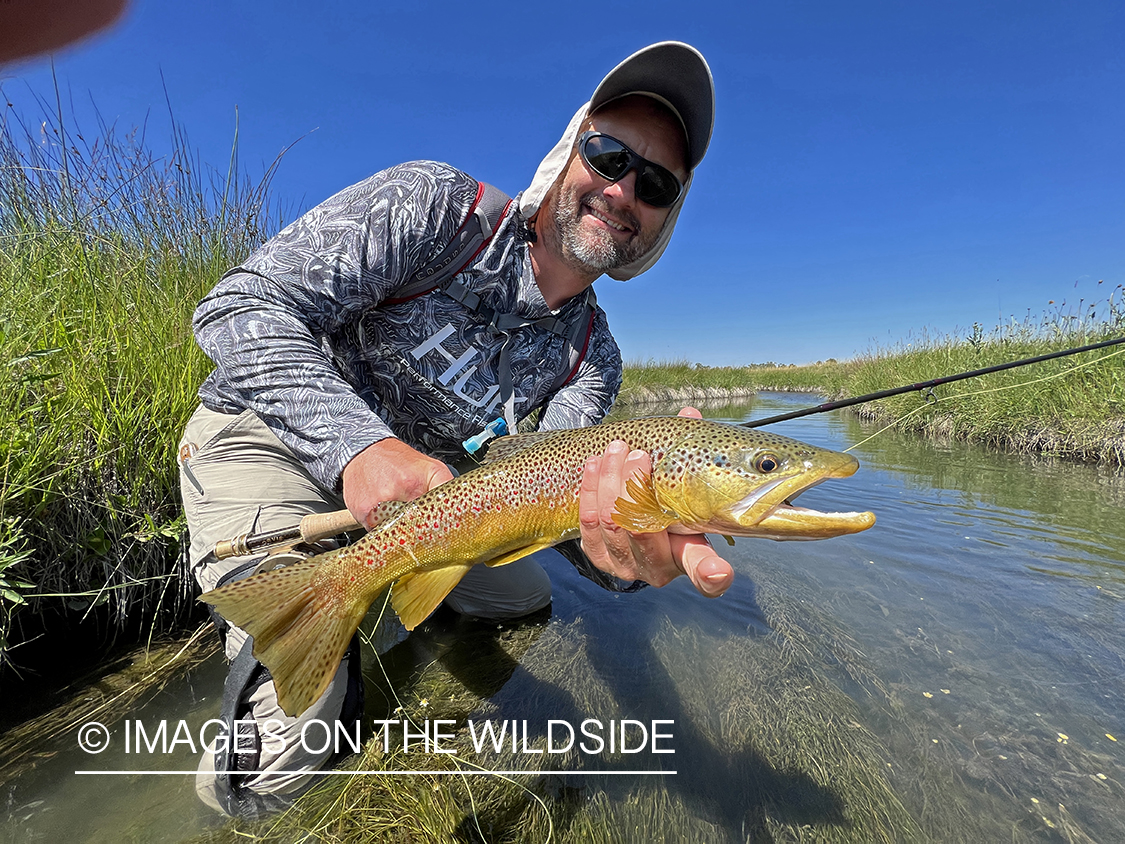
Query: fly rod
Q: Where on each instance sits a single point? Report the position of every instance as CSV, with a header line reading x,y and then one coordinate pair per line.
x,y
324,525
924,385
312,527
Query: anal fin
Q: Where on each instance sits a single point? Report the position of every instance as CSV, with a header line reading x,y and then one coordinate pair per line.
x,y
518,554
417,595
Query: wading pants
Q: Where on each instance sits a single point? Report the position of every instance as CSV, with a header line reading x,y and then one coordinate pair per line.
x,y
238,478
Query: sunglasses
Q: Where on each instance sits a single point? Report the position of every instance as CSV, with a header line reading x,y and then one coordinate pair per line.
x,y
612,160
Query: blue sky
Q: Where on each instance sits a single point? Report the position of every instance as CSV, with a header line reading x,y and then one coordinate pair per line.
x,y
877,169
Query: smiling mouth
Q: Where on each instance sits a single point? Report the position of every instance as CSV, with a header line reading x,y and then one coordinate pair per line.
x,y
609,222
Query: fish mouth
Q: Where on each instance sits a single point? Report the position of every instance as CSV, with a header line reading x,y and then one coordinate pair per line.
x,y
769,511
787,521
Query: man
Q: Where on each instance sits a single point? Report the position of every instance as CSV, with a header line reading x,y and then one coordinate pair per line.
x,y
339,382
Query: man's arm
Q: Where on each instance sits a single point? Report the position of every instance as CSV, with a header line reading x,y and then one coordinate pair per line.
x,y
264,327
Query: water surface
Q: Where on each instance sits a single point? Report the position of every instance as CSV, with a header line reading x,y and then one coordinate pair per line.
x,y
953,674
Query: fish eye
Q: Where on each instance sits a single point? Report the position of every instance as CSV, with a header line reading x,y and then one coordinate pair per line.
x,y
766,463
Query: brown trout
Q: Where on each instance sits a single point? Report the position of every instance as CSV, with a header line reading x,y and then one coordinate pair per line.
x,y
706,477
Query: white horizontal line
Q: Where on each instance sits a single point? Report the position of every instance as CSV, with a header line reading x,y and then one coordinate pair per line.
x,y
389,773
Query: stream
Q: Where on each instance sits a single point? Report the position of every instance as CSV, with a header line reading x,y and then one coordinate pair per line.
x,y
956,673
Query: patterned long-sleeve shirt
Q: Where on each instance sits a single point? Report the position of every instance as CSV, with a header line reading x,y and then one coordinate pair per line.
x,y
303,335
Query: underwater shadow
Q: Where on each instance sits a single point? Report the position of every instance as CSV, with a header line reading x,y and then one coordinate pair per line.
x,y
733,788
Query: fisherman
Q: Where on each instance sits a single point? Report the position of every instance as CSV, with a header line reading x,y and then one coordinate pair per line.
x,y
338,384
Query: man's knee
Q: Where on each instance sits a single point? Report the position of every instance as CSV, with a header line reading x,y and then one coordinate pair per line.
x,y
505,592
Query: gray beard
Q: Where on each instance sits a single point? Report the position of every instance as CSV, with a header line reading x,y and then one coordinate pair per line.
x,y
594,252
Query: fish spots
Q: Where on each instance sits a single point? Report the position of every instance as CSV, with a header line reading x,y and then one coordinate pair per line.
x,y
536,487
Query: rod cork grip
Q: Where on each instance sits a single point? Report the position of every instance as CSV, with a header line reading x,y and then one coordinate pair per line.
x,y
323,525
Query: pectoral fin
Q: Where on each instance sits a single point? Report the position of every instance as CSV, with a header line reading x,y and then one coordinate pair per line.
x,y
415,596
643,514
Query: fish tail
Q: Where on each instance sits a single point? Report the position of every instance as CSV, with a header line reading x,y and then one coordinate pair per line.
x,y
301,622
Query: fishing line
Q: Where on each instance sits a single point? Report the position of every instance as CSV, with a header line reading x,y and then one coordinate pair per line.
x,y
94,593
455,758
933,400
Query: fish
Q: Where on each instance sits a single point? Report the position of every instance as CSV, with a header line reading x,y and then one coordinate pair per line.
x,y
707,477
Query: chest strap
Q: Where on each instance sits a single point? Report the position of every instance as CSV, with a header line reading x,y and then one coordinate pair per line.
x,y
480,225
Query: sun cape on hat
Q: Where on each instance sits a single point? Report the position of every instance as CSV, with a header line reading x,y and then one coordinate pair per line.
x,y
671,72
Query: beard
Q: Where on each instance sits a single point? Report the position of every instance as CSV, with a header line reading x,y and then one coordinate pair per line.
x,y
596,250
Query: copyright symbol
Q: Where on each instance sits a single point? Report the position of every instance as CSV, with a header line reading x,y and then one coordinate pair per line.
x,y
93,737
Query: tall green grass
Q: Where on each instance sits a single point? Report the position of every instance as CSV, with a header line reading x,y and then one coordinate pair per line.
x,y
1071,407
105,248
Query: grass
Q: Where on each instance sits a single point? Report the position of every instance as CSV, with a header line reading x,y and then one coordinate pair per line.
x,y
808,743
122,685
657,381
105,249
751,712
1071,407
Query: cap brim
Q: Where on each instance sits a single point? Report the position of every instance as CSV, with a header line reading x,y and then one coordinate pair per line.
x,y
676,74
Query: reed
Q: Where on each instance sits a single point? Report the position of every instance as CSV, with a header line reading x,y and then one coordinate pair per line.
x,y
105,248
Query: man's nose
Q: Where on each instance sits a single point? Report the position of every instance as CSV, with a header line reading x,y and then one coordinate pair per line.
x,y
623,188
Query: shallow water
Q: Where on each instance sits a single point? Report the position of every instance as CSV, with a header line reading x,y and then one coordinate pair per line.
x,y
949,675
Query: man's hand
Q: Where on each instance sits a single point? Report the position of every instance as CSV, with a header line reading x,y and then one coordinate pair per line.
x,y
655,558
388,470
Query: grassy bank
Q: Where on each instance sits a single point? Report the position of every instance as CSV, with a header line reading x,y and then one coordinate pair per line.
x,y
104,251
1071,407
681,380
